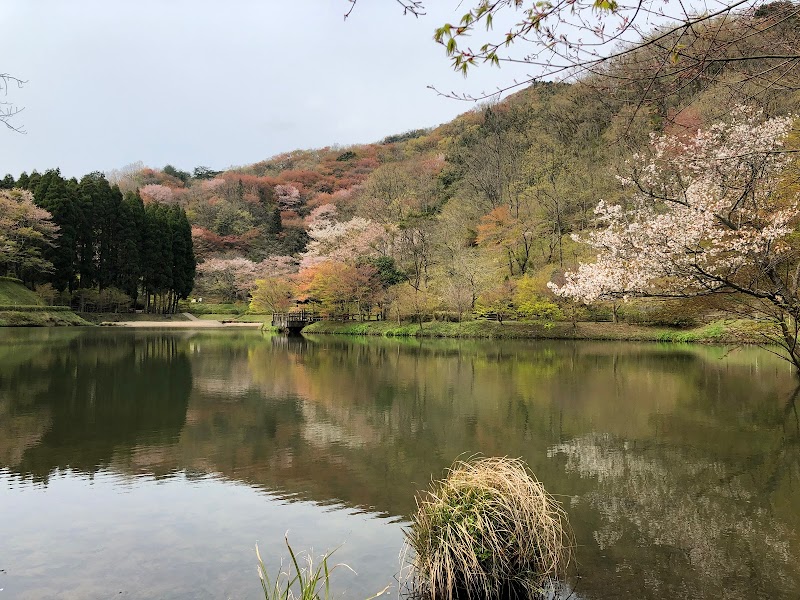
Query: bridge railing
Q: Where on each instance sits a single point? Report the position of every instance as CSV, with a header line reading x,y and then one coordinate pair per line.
x,y
313,316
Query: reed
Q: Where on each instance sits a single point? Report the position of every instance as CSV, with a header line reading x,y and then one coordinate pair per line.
x,y
306,578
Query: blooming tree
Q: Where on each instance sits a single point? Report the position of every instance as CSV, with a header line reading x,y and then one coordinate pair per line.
x,y
321,215
287,197
707,216
345,241
235,278
25,230
155,192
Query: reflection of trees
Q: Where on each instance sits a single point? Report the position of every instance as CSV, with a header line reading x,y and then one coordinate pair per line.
x,y
682,468
689,526
80,402
357,420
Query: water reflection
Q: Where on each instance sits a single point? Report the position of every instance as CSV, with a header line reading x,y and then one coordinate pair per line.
x,y
679,465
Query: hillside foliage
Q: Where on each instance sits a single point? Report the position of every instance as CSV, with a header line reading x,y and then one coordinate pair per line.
x,y
473,217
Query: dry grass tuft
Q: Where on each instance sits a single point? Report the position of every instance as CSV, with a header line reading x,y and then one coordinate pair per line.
x,y
488,530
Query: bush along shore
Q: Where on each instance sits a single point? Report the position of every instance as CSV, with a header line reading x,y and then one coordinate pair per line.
x,y
717,332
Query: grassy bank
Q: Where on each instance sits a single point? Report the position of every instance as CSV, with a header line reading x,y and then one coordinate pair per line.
x,y
20,307
718,332
43,318
13,292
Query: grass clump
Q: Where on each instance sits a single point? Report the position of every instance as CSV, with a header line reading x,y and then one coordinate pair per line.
x,y
488,530
309,582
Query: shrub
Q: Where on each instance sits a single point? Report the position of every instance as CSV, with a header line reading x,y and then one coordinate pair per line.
x,y
488,529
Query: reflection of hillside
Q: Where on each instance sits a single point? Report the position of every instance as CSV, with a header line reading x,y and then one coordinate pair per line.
x,y
73,406
629,432
368,424
355,421
687,526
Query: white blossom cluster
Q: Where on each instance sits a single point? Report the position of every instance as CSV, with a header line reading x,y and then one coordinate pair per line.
x,y
342,241
241,273
705,215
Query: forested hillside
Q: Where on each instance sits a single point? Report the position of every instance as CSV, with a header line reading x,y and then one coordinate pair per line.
x,y
472,215
476,215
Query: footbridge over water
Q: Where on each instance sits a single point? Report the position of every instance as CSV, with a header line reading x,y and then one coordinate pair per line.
x,y
294,321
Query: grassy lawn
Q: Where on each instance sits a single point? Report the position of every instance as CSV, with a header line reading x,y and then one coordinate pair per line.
x,y
13,292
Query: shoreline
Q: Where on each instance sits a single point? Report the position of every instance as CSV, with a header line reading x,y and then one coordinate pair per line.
x,y
197,324
718,332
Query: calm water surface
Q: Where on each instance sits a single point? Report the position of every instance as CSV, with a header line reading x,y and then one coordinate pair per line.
x,y
147,464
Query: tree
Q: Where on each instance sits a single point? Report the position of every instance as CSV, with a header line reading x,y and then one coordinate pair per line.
x,y
498,301
568,37
271,295
157,193
58,197
184,176
129,240
708,215
25,231
346,241
341,289
205,173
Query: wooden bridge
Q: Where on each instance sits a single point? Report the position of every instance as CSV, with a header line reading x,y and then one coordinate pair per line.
x,y
294,321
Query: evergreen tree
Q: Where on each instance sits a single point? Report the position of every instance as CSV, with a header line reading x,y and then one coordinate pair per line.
x,y
129,238
274,223
86,233
54,195
183,261
33,180
157,257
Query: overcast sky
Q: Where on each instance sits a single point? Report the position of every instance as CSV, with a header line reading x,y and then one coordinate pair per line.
x,y
218,82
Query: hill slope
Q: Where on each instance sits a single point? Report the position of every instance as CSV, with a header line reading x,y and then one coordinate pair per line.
x,y
12,292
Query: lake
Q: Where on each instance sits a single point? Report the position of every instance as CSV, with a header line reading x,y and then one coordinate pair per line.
x,y
147,464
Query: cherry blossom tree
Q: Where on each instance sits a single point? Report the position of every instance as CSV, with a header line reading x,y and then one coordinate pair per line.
x,y
155,192
287,197
345,241
25,230
321,215
235,278
708,214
